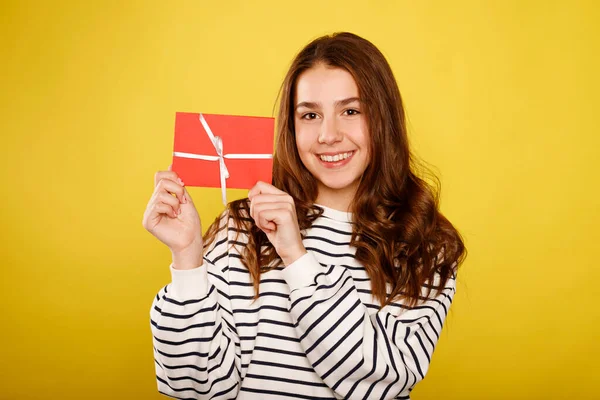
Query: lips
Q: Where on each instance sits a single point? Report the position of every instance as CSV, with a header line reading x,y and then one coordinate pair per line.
x,y
335,160
335,157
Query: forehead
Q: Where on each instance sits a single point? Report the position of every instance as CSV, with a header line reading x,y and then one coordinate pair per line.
x,y
325,84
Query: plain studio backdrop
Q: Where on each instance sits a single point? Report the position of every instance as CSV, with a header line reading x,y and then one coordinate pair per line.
x,y
502,100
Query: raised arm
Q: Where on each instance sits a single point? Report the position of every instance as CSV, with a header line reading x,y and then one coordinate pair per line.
x,y
196,348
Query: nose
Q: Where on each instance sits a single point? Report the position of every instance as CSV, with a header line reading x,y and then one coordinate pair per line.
x,y
330,132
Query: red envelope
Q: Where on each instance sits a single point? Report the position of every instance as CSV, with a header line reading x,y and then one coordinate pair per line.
x,y
247,149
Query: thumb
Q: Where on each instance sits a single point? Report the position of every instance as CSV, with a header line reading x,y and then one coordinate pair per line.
x,y
187,196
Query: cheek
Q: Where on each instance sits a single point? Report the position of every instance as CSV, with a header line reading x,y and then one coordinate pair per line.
x,y
359,135
304,140
363,140
365,137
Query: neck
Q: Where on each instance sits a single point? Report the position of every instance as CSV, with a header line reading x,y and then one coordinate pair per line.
x,y
337,199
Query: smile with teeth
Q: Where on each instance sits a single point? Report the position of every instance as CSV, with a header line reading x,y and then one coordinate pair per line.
x,y
335,158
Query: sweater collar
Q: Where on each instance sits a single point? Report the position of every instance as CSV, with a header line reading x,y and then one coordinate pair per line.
x,y
337,215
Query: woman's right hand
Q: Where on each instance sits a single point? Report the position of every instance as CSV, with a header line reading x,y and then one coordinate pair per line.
x,y
172,217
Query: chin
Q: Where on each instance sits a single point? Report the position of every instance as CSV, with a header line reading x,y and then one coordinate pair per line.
x,y
339,184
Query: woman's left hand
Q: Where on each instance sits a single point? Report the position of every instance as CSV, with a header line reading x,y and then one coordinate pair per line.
x,y
274,213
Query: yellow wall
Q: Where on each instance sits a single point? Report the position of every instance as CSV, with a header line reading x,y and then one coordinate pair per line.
x,y
502,98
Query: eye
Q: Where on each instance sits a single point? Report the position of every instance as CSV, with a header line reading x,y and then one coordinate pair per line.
x,y
351,111
309,116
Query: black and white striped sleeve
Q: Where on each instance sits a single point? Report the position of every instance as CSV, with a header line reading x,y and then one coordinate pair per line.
x,y
196,348
356,353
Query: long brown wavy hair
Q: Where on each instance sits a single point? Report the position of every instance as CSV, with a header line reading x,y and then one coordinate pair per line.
x,y
401,237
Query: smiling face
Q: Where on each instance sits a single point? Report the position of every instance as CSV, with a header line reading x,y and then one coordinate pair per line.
x,y
331,133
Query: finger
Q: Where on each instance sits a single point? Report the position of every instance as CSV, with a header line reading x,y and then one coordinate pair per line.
x,y
166,198
167,175
161,209
264,202
186,197
263,187
166,209
264,224
270,198
169,186
170,167
282,210
268,227
271,218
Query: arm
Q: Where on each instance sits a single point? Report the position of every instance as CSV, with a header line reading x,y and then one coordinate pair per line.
x,y
357,354
193,331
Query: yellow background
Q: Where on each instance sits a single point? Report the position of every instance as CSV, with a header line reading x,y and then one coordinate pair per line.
x,y
502,98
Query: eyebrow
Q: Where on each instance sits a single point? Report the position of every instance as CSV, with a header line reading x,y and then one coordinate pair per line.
x,y
311,104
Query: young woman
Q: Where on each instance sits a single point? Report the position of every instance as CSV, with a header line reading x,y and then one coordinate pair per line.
x,y
334,281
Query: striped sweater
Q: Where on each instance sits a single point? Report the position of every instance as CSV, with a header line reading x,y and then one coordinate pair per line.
x,y
315,332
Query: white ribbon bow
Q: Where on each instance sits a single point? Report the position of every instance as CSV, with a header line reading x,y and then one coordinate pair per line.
x,y
218,144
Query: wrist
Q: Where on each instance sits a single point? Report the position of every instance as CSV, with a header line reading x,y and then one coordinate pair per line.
x,y
189,258
295,255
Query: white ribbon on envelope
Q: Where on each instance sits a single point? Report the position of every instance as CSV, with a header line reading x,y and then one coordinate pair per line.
x,y
220,157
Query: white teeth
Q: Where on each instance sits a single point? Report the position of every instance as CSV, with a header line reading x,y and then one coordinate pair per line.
x,y
337,157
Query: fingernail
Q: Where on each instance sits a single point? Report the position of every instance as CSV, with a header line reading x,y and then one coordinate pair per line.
x,y
181,182
179,211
